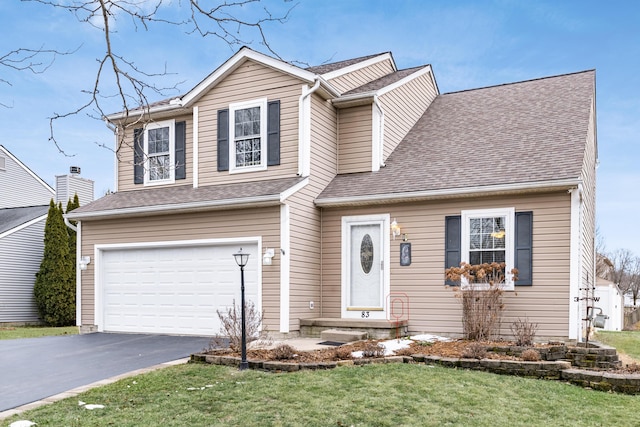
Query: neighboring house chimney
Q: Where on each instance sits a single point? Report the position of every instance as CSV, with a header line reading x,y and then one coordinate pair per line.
x,y
68,185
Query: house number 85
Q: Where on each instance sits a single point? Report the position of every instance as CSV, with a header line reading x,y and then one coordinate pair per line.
x,y
365,314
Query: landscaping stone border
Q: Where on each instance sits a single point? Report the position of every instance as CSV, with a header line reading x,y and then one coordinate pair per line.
x,y
561,370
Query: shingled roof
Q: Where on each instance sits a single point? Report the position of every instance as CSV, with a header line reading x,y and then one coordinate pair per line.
x,y
11,218
384,81
185,197
327,68
513,134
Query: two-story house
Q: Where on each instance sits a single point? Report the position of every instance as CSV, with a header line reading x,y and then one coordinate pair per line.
x,y
352,186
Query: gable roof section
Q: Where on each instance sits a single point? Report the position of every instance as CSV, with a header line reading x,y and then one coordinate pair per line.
x,y
11,219
6,152
514,137
185,198
348,65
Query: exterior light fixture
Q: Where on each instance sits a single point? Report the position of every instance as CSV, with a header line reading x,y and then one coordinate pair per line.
x,y
395,229
267,258
83,262
241,260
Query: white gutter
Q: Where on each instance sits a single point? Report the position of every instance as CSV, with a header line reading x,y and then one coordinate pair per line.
x,y
260,201
304,130
447,193
68,224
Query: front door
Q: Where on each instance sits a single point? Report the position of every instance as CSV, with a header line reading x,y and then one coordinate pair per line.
x,y
365,266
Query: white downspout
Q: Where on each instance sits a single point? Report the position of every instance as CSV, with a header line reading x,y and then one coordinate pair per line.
x,y
304,130
379,161
575,267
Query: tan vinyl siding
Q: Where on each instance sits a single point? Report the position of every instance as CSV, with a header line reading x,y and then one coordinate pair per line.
x,y
588,220
264,222
126,162
347,82
402,107
355,137
249,82
433,307
306,256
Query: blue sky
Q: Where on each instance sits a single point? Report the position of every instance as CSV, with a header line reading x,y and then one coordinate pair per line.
x,y
469,44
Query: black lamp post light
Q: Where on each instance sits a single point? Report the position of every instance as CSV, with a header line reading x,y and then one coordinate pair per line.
x,y
241,260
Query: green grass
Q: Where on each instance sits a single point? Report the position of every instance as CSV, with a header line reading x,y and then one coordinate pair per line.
x,y
371,395
627,342
15,332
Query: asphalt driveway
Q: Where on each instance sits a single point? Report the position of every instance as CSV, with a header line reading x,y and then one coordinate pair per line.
x,y
35,368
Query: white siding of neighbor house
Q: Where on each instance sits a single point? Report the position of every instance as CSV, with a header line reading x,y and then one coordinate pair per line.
x,y
20,258
19,186
67,186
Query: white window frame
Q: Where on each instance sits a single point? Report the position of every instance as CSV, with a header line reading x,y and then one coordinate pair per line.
x,y
171,124
262,104
509,216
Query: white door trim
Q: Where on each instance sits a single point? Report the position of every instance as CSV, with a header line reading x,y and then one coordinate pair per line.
x,y
101,248
347,222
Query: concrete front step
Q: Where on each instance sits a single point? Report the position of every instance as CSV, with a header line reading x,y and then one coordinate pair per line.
x,y
342,336
375,329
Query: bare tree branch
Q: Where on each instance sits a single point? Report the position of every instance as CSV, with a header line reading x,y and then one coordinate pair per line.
x,y
120,78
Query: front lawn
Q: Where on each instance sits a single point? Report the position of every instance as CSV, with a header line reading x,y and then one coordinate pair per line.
x,y
371,395
627,342
15,332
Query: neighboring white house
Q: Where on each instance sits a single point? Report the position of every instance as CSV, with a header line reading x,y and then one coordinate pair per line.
x,y
611,303
24,204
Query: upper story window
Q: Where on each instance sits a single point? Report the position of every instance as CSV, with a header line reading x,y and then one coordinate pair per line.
x,y
159,143
248,130
249,136
159,153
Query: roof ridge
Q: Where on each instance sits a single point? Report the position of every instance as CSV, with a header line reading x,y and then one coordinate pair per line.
x,y
356,60
521,81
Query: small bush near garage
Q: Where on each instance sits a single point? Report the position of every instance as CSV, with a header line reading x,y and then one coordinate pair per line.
x,y
231,326
55,288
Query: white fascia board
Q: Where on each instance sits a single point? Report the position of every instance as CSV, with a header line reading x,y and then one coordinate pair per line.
x,y
528,187
426,69
29,171
261,201
23,226
234,62
159,111
293,190
357,66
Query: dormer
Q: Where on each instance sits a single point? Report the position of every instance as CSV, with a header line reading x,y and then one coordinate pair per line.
x,y
375,117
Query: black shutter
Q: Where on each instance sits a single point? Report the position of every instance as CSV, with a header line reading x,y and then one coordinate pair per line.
x,y
138,156
452,244
273,133
524,248
180,155
223,140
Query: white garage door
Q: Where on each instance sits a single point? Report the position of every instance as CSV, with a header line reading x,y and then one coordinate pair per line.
x,y
173,290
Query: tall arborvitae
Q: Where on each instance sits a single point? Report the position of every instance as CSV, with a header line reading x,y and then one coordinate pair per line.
x,y
71,205
55,288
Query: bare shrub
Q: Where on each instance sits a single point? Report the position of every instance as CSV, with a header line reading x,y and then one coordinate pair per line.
x,y
373,349
474,350
343,353
530,355
480,294
284,352
231,326
524,331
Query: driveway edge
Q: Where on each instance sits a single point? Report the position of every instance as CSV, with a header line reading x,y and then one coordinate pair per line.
x,y
76,391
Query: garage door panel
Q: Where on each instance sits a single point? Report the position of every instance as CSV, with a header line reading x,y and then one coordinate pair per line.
x,y
175,290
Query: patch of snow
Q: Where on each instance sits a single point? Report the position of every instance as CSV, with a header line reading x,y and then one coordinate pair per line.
x,y
22,423
93,406
429,338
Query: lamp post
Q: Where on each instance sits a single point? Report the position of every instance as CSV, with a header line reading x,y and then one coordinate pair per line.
x,y
241,260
